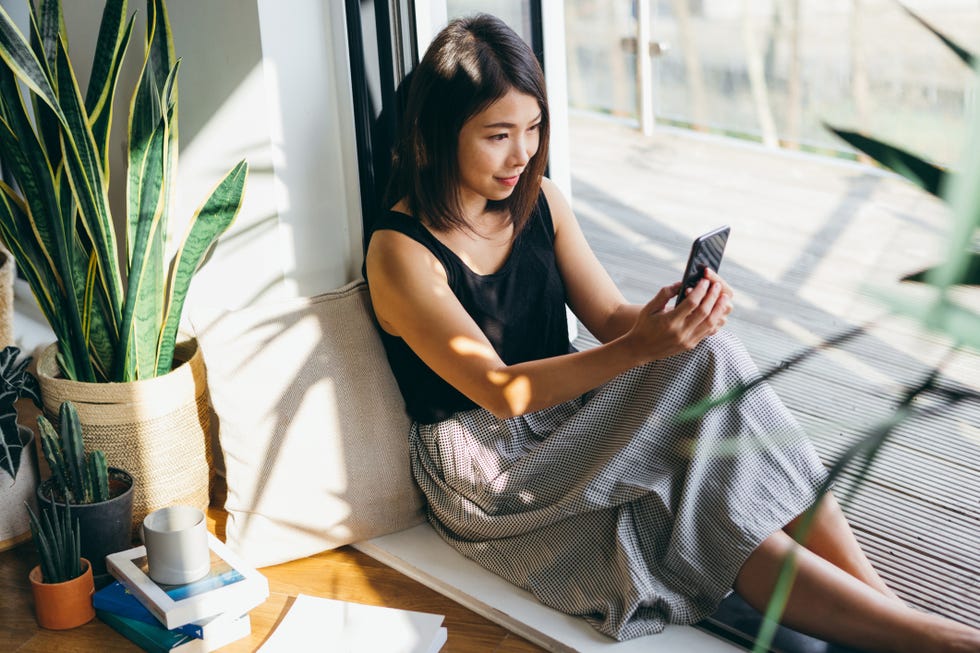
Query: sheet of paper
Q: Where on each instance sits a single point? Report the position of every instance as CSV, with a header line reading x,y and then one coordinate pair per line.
x,y
345,627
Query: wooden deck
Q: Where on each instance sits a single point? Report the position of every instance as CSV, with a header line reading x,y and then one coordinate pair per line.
x,y
812,242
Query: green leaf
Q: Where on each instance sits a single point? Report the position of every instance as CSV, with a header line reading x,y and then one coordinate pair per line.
x,y
32,261
90,189
59,543
44,34
110,49
208,223
145,114
143,312
970,277
57,539
51,27
151,183
15,382
965,55
98,476
776,604
16,52
10,445
54,455
963,196
97,315
27,163
923,174
74,451
161,44
42,542
937,314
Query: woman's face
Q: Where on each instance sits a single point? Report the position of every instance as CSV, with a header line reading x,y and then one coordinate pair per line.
x,y
495,146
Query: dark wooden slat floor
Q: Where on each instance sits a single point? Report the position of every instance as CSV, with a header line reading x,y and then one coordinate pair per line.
x,y
811,241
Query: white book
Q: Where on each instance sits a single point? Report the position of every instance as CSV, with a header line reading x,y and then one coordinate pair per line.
x,y
232,586
229,630
346,627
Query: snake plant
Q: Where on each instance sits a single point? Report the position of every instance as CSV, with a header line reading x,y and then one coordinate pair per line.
x,y
77,476
58,543
15,382
113,321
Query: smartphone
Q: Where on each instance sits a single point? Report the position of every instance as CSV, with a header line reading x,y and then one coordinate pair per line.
x,y
706,252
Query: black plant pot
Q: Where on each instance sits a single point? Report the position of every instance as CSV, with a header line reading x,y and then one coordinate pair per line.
x,y
105,527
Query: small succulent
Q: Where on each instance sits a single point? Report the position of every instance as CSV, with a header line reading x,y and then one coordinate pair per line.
x,y
78,477
15,382
58,543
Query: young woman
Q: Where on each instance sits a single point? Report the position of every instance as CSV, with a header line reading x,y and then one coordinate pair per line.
x,y
569,473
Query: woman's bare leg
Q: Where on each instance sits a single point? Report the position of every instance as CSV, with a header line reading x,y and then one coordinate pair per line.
x,y
831,538
829,603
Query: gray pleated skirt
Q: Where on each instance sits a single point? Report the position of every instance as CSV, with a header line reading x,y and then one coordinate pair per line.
x,y
607,506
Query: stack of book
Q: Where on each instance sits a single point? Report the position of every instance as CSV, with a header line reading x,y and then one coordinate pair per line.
x,y
194,618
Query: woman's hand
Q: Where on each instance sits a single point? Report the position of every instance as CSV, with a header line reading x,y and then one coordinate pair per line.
x,y
660,332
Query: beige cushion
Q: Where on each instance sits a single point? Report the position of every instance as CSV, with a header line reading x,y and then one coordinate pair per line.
x,y
312,426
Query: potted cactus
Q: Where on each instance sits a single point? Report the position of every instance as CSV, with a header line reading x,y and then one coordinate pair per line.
x,y
101,497
18,460
62,581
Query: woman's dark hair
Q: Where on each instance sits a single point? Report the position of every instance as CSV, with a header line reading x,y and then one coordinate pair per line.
x,y
472,63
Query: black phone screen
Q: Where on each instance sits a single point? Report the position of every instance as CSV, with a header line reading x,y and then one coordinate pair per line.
x,y
706,252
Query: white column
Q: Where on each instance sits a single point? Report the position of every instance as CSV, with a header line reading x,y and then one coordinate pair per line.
x,y
644,67
556,75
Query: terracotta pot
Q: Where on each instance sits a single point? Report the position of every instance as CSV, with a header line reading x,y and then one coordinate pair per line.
x,y
60,606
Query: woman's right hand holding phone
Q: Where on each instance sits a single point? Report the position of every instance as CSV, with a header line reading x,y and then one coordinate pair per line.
x,y
660,332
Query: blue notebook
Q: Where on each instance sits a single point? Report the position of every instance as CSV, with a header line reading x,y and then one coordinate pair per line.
x,y
115,598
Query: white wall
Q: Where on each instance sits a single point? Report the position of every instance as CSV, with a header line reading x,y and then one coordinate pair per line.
x,y
272,86
268,85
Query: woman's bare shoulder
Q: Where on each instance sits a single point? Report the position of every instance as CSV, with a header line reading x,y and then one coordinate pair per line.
x,y
561,211
397,262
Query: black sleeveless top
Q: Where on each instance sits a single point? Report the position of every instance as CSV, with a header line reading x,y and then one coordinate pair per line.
x,y
520,308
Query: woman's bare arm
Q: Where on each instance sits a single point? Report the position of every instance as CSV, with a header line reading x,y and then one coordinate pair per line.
x,y
412,300
592,294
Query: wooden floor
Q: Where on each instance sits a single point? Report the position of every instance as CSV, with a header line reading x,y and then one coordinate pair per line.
x,y
810,240
340,574
812,243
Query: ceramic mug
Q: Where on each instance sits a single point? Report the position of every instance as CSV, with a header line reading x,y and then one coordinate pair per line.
x,y
176,539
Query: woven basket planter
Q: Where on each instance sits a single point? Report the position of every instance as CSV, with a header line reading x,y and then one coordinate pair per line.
x,y
156,429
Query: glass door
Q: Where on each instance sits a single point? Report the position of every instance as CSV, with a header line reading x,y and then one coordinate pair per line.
x,y
778,72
